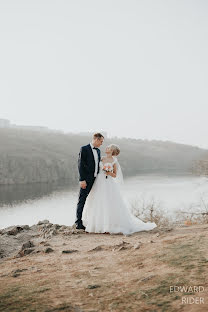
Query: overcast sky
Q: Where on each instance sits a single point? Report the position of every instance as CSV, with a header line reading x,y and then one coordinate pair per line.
x,y
133,68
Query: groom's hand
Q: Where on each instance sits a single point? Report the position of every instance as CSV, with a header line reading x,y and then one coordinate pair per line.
x,y
83,184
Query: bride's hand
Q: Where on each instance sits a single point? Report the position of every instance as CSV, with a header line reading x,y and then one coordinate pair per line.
x,y
112,174
109,173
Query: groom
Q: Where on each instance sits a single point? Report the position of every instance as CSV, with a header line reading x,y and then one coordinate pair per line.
x,y
88,165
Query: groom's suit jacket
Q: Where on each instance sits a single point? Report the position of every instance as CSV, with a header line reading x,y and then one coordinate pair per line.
x,y
86,163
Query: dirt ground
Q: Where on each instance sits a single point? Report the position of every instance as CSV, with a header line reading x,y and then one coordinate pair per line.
x,y
105,272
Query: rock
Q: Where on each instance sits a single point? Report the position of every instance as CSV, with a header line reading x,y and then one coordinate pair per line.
x,y
25,227
2,254
63,227
93,286
167,229
122,248
57,226
28,244
69,251
97,248
49,225
147,278
19,270
138,245
25,252
122,244
14,230
71,231
53,232
15,275
45,243
49,249
43,222
26,249
34,227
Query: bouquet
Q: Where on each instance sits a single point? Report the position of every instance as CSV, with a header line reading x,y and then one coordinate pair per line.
x,y
107,168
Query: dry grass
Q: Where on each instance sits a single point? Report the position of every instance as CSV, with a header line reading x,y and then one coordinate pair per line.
x,y
109,279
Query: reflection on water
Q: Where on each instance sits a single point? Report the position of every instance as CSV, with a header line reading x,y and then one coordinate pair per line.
x,y
11,195
27,204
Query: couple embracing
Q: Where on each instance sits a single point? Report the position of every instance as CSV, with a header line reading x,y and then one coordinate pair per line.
x,y
101,207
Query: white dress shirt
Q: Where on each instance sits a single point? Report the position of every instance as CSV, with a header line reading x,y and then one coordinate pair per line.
x,y
96,159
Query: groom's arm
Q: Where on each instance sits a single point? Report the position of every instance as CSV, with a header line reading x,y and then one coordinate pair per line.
x,y
82,164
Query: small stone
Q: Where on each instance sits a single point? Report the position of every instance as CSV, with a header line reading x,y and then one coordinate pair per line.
x,y
122,244
97,248
28,251
24,252
25,227
137,246
57,226
2,254
28,244
43,222
49,225
45,243
122,248
19,270
93,286
49,249
147,278
15,275
15,230
69,251
53,232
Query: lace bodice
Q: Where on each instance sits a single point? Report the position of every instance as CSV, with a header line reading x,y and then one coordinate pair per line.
x,y
109,165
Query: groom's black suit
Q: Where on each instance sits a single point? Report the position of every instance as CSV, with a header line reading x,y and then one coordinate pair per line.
x,y
86,166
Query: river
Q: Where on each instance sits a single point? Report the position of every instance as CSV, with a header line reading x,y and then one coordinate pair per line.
x,y
27,204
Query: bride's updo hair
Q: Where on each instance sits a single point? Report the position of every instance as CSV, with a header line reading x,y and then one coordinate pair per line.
x,y
115,149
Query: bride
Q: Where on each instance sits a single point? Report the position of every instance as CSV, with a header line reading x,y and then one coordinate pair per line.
x,y
105,209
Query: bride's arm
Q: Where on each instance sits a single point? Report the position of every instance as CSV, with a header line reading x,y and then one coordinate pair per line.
x,y
113,174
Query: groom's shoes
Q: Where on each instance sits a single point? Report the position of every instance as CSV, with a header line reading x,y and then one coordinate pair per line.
x,y
80,226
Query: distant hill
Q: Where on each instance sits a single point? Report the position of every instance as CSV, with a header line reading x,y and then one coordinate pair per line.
x,y
32,156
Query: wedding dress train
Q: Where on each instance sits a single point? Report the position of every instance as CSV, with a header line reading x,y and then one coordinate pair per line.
x,y
105,209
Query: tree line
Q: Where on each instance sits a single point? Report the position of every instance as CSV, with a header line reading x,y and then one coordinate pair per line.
x,y
28,156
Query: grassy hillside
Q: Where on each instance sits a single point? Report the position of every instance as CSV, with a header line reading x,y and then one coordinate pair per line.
x,y
30,156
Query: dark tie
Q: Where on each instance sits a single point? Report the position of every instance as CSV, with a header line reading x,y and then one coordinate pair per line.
x,y
98,157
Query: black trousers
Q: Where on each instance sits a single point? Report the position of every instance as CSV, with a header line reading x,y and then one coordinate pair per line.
x,y
83,193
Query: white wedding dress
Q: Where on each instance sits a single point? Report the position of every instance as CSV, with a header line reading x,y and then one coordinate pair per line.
x,y
105,209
